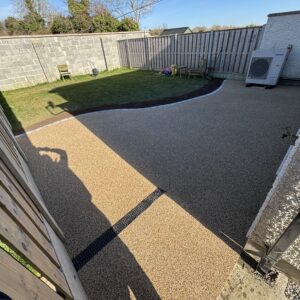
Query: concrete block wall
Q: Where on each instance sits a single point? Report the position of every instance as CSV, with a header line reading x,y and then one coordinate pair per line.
x,y
281,30
29,60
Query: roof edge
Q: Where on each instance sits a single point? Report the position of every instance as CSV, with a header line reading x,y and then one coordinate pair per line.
x,y
287,13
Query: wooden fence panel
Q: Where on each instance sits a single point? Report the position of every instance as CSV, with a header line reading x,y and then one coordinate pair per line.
x,y
10,157
14,189
18,283
25,224
227,51
19,216
14,235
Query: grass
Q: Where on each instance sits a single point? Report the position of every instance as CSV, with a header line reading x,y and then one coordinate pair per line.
x,y
27,106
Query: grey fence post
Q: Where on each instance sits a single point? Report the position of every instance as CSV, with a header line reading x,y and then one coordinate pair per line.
x,y
175,48
148,53
128,55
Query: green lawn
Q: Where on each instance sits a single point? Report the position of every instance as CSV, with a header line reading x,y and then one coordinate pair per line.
x,y
34,104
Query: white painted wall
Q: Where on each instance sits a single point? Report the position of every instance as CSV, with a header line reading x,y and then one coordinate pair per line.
x,y
280,31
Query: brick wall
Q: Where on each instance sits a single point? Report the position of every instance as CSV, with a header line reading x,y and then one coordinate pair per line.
x,y
26,61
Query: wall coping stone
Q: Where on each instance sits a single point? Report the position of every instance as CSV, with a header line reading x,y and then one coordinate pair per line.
x,y
70,34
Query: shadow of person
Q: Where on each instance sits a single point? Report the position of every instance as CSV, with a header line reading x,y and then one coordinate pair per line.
x,y
113,273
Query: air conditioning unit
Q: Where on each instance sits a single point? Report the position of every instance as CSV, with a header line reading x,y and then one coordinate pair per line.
x,y
266,66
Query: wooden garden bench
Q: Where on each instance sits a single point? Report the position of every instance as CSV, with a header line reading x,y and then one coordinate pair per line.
x,y
200,71
64,71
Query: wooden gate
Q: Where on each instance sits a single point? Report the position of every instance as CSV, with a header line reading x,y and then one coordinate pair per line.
x,y
33,261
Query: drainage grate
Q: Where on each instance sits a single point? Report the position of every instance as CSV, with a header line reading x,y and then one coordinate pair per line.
x,y
105,238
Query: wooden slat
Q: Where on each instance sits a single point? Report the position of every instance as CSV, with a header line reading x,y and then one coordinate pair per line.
x,y
220,51
164,51
230,49
186,49
150,45
190,49
10,147
239,50
253,43
23,200
19,284
198,45
28,186
154,43
141,56
215,50
67,267
202,46
209,47
15,236
159,54
7,128
3,116
15,212
245,51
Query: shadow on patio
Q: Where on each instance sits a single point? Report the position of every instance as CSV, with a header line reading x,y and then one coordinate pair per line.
x,y
115,271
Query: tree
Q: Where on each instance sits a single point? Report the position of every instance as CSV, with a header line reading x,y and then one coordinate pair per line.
x,y
128,24
32,21
105,23
61,24
2,28
42,7
80,16
200,29
98,7
13,26
139,8
79,7
135,9
157,30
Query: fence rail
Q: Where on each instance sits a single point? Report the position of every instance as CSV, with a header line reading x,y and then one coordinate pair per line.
x,y
29,233
227,51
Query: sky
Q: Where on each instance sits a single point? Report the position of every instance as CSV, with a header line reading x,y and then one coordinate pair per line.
x,y
178,13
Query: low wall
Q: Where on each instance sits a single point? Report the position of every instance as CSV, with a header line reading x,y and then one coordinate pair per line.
x,y
281,30
29,60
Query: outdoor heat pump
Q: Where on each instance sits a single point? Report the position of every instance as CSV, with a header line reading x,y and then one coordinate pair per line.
x,y
266,66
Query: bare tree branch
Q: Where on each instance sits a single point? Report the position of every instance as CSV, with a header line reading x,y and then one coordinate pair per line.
x,y
136,9
42,7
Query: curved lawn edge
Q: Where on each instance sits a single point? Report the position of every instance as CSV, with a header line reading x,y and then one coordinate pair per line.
x,y
208,88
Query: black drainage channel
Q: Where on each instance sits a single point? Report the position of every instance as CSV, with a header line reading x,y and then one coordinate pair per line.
x,y
105,238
